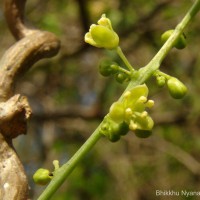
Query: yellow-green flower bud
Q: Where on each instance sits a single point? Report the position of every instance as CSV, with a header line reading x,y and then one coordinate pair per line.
x,y
180,43
116,130
161,81
143,133
120,77
113,136
42,176
176,88
165,36
123,128
129,113
102,35
110,129
113,130
107,68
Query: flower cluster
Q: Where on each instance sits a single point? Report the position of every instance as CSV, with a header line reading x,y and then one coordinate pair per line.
x,y
129,113
130,110
110,68
175,87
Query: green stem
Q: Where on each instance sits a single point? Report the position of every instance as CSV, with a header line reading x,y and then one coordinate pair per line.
x,y
147,71
124,71
123,57
159,73
64,171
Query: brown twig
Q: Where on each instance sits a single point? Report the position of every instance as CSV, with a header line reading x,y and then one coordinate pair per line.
x,y
32,45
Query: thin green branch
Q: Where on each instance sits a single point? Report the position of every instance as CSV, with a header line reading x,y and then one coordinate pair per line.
x,y
64,171
123,57
124,71
159,73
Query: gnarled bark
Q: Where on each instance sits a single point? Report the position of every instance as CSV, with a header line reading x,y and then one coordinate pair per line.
x,y
32,45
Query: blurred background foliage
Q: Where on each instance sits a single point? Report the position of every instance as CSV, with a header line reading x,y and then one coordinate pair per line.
x,y
69,99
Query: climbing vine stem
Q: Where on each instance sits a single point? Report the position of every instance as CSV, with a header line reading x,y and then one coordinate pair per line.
x,y
144,73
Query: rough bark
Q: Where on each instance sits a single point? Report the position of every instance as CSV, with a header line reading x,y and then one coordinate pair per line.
x,y
32,45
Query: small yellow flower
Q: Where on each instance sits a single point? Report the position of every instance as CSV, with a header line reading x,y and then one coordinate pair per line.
x,y
131,109
102,35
